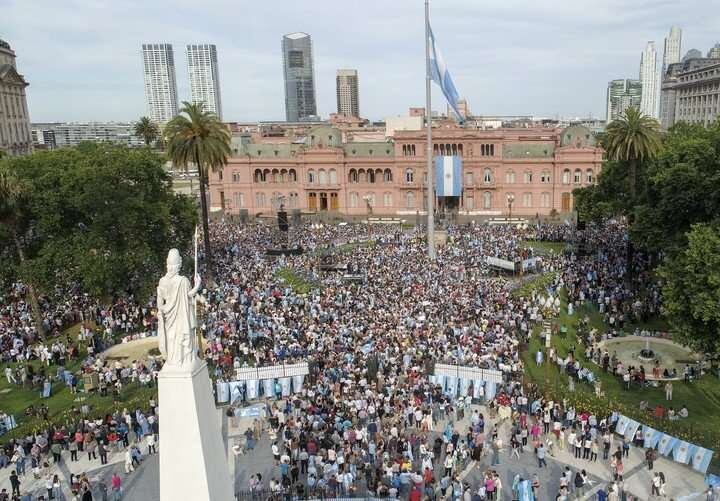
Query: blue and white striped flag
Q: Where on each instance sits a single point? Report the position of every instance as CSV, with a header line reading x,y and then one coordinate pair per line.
x,y
683,451
632,427
666,444
651,436
448,177
524,491
701,459
441,76
622,424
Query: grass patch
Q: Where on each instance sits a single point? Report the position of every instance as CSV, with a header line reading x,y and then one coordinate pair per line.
x,y
535,284
298,283
701,397
543,247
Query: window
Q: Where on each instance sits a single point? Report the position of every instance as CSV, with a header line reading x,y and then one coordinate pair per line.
x,y
527,199
577,178
354,200
388,176
293,176
259,199
410,200
332,176
334,203
236,177
408,150
258,176
371,176
219,175
545,200
487,150
528,177
487,200
510,177
311,176
322,176
238,200
589,176
293,200
487,176
469,178
353,176
409,176
566,176
469,203
283,176
312,201
387,199
370,199
545,176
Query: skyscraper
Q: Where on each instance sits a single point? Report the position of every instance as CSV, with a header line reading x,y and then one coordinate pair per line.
x,y
714,52
671,50
299,77
204,76
160,84
621,95
649,80
348,96
15,135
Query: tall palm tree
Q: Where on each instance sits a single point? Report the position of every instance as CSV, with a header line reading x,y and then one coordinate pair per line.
x,y
197,136
147,130
632,138
12,201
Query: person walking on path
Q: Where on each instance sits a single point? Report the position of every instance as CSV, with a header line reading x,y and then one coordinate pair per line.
x,y
116,486
650,457
15,483
541,456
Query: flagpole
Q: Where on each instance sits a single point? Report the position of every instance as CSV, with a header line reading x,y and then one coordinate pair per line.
x,y
428,120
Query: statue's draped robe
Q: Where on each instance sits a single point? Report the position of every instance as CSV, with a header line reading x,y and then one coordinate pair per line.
x,y
176,324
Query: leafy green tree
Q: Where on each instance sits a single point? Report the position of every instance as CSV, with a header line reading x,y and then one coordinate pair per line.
x,y
197,136
632,138
691,294
147,130
103,215
12,216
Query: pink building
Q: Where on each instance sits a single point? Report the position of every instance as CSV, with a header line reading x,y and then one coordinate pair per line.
x,y
523,171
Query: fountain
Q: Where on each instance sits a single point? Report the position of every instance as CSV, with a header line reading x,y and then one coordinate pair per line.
x,y
646,354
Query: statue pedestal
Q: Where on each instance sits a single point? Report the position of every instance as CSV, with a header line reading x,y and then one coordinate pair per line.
x,y
193,457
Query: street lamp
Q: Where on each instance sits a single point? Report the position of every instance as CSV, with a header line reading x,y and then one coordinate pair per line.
x,y
510,200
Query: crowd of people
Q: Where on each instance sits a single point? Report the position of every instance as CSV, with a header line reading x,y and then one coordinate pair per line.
x,y
369,418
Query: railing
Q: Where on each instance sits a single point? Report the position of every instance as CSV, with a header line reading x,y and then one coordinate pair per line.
x,y
315,494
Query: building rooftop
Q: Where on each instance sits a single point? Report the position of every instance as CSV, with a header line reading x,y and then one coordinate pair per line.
x,y
297,35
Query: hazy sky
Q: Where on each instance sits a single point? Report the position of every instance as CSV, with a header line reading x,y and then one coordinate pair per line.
x,y
542,57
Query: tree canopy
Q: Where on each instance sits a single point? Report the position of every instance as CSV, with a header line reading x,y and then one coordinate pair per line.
x,y
99,214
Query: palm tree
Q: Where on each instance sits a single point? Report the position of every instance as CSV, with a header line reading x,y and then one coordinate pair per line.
x,y
147,130
632,138
197,136
12,201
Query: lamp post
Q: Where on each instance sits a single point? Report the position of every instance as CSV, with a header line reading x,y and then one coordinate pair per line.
x,y
510,200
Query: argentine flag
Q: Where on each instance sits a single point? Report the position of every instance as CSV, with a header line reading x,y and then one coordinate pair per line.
x,y
448,180
622,424
683,451
440,75
524,491
651,436
701,459
666,444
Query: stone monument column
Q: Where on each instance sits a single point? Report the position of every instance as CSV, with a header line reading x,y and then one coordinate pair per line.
x,y
193,460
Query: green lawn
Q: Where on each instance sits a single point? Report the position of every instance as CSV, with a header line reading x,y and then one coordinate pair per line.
x,y
544,247
702,397
298,283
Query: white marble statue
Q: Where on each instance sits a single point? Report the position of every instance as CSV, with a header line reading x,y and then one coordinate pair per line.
x,y
176,316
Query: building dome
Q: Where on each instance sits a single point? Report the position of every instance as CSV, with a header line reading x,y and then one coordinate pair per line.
x,y
4,44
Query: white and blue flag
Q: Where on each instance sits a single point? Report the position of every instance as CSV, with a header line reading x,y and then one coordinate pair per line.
x,y
701,459
666,444
448,176
622,425
440,75
651,436
683,451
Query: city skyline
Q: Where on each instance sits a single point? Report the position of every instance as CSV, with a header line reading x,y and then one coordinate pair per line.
x,y
92,86
204,73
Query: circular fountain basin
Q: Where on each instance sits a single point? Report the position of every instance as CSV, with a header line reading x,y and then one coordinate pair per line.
x,y
632,350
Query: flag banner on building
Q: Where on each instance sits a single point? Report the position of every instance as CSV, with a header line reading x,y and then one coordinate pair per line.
x,y
285,386
490,389
441,76
451,385
297,382
249,412
478,388
651,436
632,427
222,391
268,388
253,389
464,386
683,451
701,459
448,176
622,425
666,444
236,393
440,380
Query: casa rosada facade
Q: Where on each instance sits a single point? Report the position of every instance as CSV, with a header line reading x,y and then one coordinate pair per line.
x,y
517,171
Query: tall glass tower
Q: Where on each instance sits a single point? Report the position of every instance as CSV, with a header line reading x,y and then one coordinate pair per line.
x,y
160,85
204,76
299,77
649,80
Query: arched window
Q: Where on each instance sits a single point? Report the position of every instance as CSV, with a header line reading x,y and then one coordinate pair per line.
x,y
545,176
412,150
404,150
371,176
510,177
388,176
387,199
267,176
544,200
293,176
487,176
276,176
487,200
283,176
311,176
589,177
577,178
361,176
410,200
409,176
353,176
566,176
322,176
527,199
528,177
258,176
354,200
332,175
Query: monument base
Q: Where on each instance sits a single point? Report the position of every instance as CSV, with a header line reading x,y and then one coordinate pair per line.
x,y
193,458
